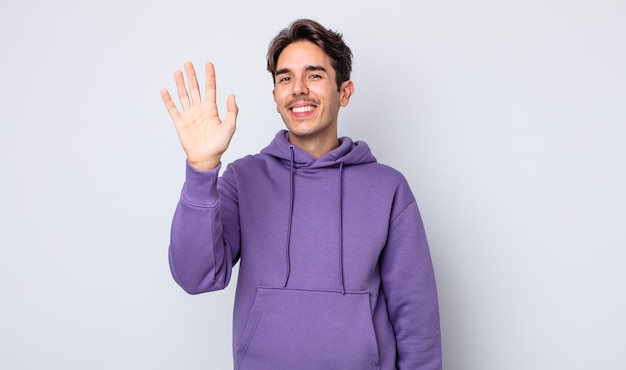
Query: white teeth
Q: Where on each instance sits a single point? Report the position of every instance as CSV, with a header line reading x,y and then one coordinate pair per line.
x,y
306,108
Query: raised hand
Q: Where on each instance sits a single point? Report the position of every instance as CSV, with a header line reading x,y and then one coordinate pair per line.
x,y
203,135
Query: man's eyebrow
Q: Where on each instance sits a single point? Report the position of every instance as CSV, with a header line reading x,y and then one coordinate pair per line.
x,y
316,68
308,68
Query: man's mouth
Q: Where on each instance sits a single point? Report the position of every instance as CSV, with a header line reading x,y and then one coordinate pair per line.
x,y
303,109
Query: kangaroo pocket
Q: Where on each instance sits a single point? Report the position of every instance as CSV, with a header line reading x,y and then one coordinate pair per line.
x,y
303,329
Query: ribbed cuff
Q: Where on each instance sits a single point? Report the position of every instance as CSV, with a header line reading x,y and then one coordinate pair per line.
x,y
200,188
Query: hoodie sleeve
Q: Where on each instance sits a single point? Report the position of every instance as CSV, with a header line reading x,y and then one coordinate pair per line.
x,y
201,253
409,285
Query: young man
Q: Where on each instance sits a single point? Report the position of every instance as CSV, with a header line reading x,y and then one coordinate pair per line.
x,y
335,271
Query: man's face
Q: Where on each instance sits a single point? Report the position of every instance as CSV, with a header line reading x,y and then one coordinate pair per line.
x,y
306,93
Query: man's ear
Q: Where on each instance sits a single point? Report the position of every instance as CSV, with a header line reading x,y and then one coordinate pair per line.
x,y
274,96
345,92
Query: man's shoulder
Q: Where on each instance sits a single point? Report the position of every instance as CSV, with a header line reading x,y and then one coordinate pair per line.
x,y
252,160
252,165
378,169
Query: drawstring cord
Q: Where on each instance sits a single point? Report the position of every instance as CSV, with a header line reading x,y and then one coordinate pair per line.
x,y
343,289
289,222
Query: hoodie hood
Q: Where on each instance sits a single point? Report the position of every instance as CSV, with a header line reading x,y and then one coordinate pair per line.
x,y
347,153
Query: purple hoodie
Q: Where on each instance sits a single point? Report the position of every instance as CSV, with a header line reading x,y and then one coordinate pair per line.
x,y
335,271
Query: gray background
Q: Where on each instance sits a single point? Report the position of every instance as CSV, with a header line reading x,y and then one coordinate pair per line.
x,y
507,117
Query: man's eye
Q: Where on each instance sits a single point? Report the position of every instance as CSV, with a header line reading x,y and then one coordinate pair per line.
x,y
314,76
284,79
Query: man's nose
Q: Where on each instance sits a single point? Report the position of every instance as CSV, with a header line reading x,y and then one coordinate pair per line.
x,y
300,88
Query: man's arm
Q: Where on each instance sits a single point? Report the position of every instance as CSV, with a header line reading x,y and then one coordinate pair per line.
x,y
409,285
203,247
200,254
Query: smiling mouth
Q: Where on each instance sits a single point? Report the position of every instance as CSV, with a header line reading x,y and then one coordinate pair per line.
x,y
302,109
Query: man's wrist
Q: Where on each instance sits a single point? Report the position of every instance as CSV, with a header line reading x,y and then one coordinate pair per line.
x,y
205,165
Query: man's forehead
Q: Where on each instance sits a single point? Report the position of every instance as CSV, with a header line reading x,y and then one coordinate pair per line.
x,y
302,55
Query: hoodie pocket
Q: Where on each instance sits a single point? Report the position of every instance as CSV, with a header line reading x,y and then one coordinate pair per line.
x,y
304,329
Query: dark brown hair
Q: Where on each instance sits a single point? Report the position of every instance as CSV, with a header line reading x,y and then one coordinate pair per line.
x,y
308,30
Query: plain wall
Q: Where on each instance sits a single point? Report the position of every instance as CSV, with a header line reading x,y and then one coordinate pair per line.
x,y
508,118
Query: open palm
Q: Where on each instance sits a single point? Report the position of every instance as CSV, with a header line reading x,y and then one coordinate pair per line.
x,y
203,135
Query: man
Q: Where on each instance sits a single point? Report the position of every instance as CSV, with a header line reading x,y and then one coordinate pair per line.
x,y
335,271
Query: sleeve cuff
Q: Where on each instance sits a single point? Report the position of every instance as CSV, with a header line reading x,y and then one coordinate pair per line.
x,y
200,188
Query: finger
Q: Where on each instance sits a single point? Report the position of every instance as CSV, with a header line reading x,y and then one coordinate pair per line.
x,y
232,110
182,90
169,104
192,79
210,88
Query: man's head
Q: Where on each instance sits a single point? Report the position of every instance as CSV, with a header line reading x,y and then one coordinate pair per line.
x,y
329,41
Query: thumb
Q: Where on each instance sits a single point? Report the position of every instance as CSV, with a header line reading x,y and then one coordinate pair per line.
x,y
231,110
